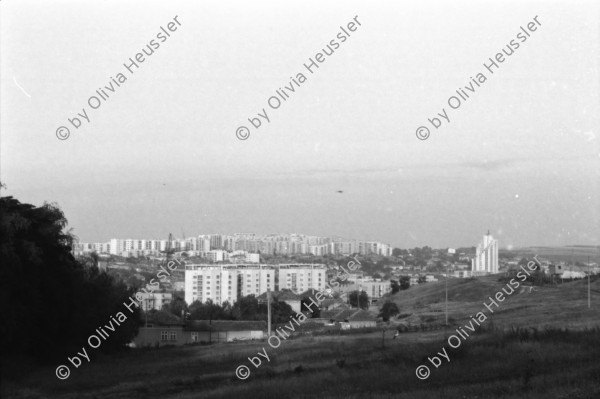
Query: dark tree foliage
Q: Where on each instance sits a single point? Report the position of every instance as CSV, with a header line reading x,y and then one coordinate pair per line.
x,y
210,311
359,299
306,304
388,310
178,307
246,308
280,312
395,286
404,282
51,303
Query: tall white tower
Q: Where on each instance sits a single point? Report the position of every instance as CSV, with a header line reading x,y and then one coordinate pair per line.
x,y
486,257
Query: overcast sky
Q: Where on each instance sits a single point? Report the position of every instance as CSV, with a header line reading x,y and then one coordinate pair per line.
x,y
520,157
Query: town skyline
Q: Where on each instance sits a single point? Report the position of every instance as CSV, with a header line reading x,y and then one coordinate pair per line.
x,y
334,238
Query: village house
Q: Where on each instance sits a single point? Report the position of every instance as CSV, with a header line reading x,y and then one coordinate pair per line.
x,y
199,331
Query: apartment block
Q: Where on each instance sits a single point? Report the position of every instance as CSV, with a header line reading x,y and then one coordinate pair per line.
x,y
228,282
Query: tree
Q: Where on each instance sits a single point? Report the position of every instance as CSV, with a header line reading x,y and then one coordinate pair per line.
x,y
359,299
396,252
246,308
404,282
42,284
395,286
177,306
280,312
388,310
210,311
316,311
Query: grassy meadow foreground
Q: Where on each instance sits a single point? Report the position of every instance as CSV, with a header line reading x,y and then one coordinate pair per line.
x,y
540,343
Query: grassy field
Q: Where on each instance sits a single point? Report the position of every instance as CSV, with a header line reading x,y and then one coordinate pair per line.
x,y
506,359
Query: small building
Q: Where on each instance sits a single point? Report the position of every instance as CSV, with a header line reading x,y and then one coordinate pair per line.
x,y
332,304
462,273
354,318
199,331
224,330
556,269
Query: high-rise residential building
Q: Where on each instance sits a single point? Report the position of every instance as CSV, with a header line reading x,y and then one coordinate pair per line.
x,y
228,282
203,243
301,277
228,243
216,241
486,256
221,283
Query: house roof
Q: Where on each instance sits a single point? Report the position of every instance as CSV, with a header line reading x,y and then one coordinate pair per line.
x,y
331,301
225,325
362,315
164,319
309,293
350,315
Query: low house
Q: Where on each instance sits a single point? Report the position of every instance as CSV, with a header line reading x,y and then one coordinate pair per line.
x,y
224,330
332,303
556,269
352,318
199,331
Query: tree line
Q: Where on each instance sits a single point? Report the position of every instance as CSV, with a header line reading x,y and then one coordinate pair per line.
x,y
50,302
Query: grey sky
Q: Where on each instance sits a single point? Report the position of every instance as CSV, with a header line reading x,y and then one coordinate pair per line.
x,y
520,157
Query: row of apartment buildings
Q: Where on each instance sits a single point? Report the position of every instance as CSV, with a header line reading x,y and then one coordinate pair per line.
x,y
281,244
221,283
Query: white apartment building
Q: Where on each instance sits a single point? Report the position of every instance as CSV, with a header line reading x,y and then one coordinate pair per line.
x,y
302,277
374,289
221,283
486,256
228,282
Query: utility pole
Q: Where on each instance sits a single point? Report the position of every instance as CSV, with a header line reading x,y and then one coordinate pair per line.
x,y
589,291
268,313
446,294
450,251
